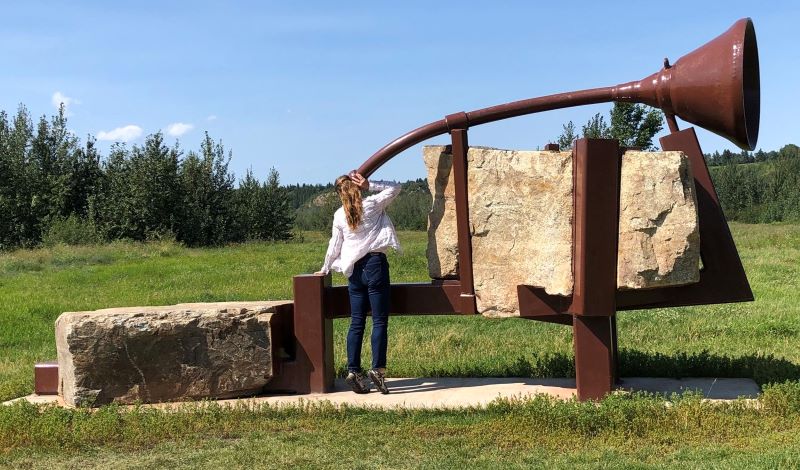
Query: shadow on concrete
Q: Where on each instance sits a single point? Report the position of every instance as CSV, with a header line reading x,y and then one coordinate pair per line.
x,y
417,385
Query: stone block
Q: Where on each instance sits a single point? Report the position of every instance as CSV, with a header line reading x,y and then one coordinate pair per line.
x,y
156,354
521,216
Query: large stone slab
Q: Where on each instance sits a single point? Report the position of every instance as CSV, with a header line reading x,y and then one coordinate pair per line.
x,y
521,216
659,238
156,354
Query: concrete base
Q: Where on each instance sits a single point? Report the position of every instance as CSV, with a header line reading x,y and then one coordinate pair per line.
x,y
463,392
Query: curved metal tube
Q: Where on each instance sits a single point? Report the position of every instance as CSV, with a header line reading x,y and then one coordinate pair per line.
x,y
486,115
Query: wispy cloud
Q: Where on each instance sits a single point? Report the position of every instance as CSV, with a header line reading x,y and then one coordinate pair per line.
x,y
211,117
121,134
177,129
59,98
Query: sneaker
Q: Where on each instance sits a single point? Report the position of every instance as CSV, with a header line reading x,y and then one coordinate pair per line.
x,y
358,382
379,380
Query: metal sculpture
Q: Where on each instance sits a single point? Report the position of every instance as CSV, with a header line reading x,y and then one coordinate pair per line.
x,y
716,87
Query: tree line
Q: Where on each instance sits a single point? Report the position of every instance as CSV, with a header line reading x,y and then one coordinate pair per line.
x,y
53,188
317,203
758,187
753,187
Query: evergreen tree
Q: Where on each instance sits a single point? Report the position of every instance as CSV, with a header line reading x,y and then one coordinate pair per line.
x,y
20,227
277,215
596,128
84,183
111,208
207,196
248,208
567,137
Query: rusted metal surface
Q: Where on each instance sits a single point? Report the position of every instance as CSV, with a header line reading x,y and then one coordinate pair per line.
x,y
672,123
312,369
596,170
425,298
716,86
552,147
460,146
594,356
596,167
285,369
45,378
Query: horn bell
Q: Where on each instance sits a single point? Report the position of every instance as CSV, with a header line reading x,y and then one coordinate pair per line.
x,y
716,86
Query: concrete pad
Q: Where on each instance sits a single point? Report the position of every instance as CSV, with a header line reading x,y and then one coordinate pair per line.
x,y
448,392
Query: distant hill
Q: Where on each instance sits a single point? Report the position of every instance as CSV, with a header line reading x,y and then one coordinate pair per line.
x,y
315,204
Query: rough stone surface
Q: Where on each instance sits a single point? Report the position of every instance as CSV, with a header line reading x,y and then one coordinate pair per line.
x,y
521,214
155,354
659,239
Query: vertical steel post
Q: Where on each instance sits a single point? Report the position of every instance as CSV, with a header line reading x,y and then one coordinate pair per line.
x,y
596,167
459,149
313,332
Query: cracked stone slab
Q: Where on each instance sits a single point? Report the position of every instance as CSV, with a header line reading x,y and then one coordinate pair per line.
x,y
156,354
521,216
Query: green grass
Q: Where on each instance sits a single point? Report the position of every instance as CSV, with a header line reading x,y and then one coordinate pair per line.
x,y
620,432
758,339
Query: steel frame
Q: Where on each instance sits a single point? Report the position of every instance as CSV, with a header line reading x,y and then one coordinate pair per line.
x,y
591,310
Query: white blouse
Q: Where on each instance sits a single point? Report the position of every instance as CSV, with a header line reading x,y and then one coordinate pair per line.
x,y
374,233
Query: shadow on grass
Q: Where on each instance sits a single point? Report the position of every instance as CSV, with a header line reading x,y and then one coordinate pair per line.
x,y
634,363
761,368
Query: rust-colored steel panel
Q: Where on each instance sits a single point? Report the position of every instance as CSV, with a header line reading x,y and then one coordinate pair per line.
x,y
286,372
460,147
594,356
596,172
596,168
313,365
434,298
45,378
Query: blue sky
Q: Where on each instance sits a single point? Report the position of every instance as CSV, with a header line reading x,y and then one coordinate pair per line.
x,y
314,88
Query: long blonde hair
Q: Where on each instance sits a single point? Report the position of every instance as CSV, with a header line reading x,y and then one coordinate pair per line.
x,y
351,200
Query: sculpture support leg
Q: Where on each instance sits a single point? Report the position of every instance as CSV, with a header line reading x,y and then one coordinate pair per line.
x,y
314,334
596,168
594,356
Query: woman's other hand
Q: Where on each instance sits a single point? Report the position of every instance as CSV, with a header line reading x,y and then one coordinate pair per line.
x,y
359,180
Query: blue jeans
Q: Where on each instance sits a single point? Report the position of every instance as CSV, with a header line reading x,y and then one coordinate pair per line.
x,y
369,290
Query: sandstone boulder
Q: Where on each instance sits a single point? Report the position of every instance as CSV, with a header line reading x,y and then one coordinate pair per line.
x,y
521,215
659,239
156,354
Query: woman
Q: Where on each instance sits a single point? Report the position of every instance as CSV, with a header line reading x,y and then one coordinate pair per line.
x,y
362,234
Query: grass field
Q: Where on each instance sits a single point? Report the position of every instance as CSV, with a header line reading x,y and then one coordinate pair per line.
x,y
758,340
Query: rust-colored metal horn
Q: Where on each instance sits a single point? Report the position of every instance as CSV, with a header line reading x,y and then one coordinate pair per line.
x,y
716,86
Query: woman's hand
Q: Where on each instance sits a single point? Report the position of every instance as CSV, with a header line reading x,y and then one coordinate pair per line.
x,y
359,180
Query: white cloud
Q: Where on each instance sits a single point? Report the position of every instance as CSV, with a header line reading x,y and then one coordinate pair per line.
x,y
177,129
211,117
58,98
121,134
